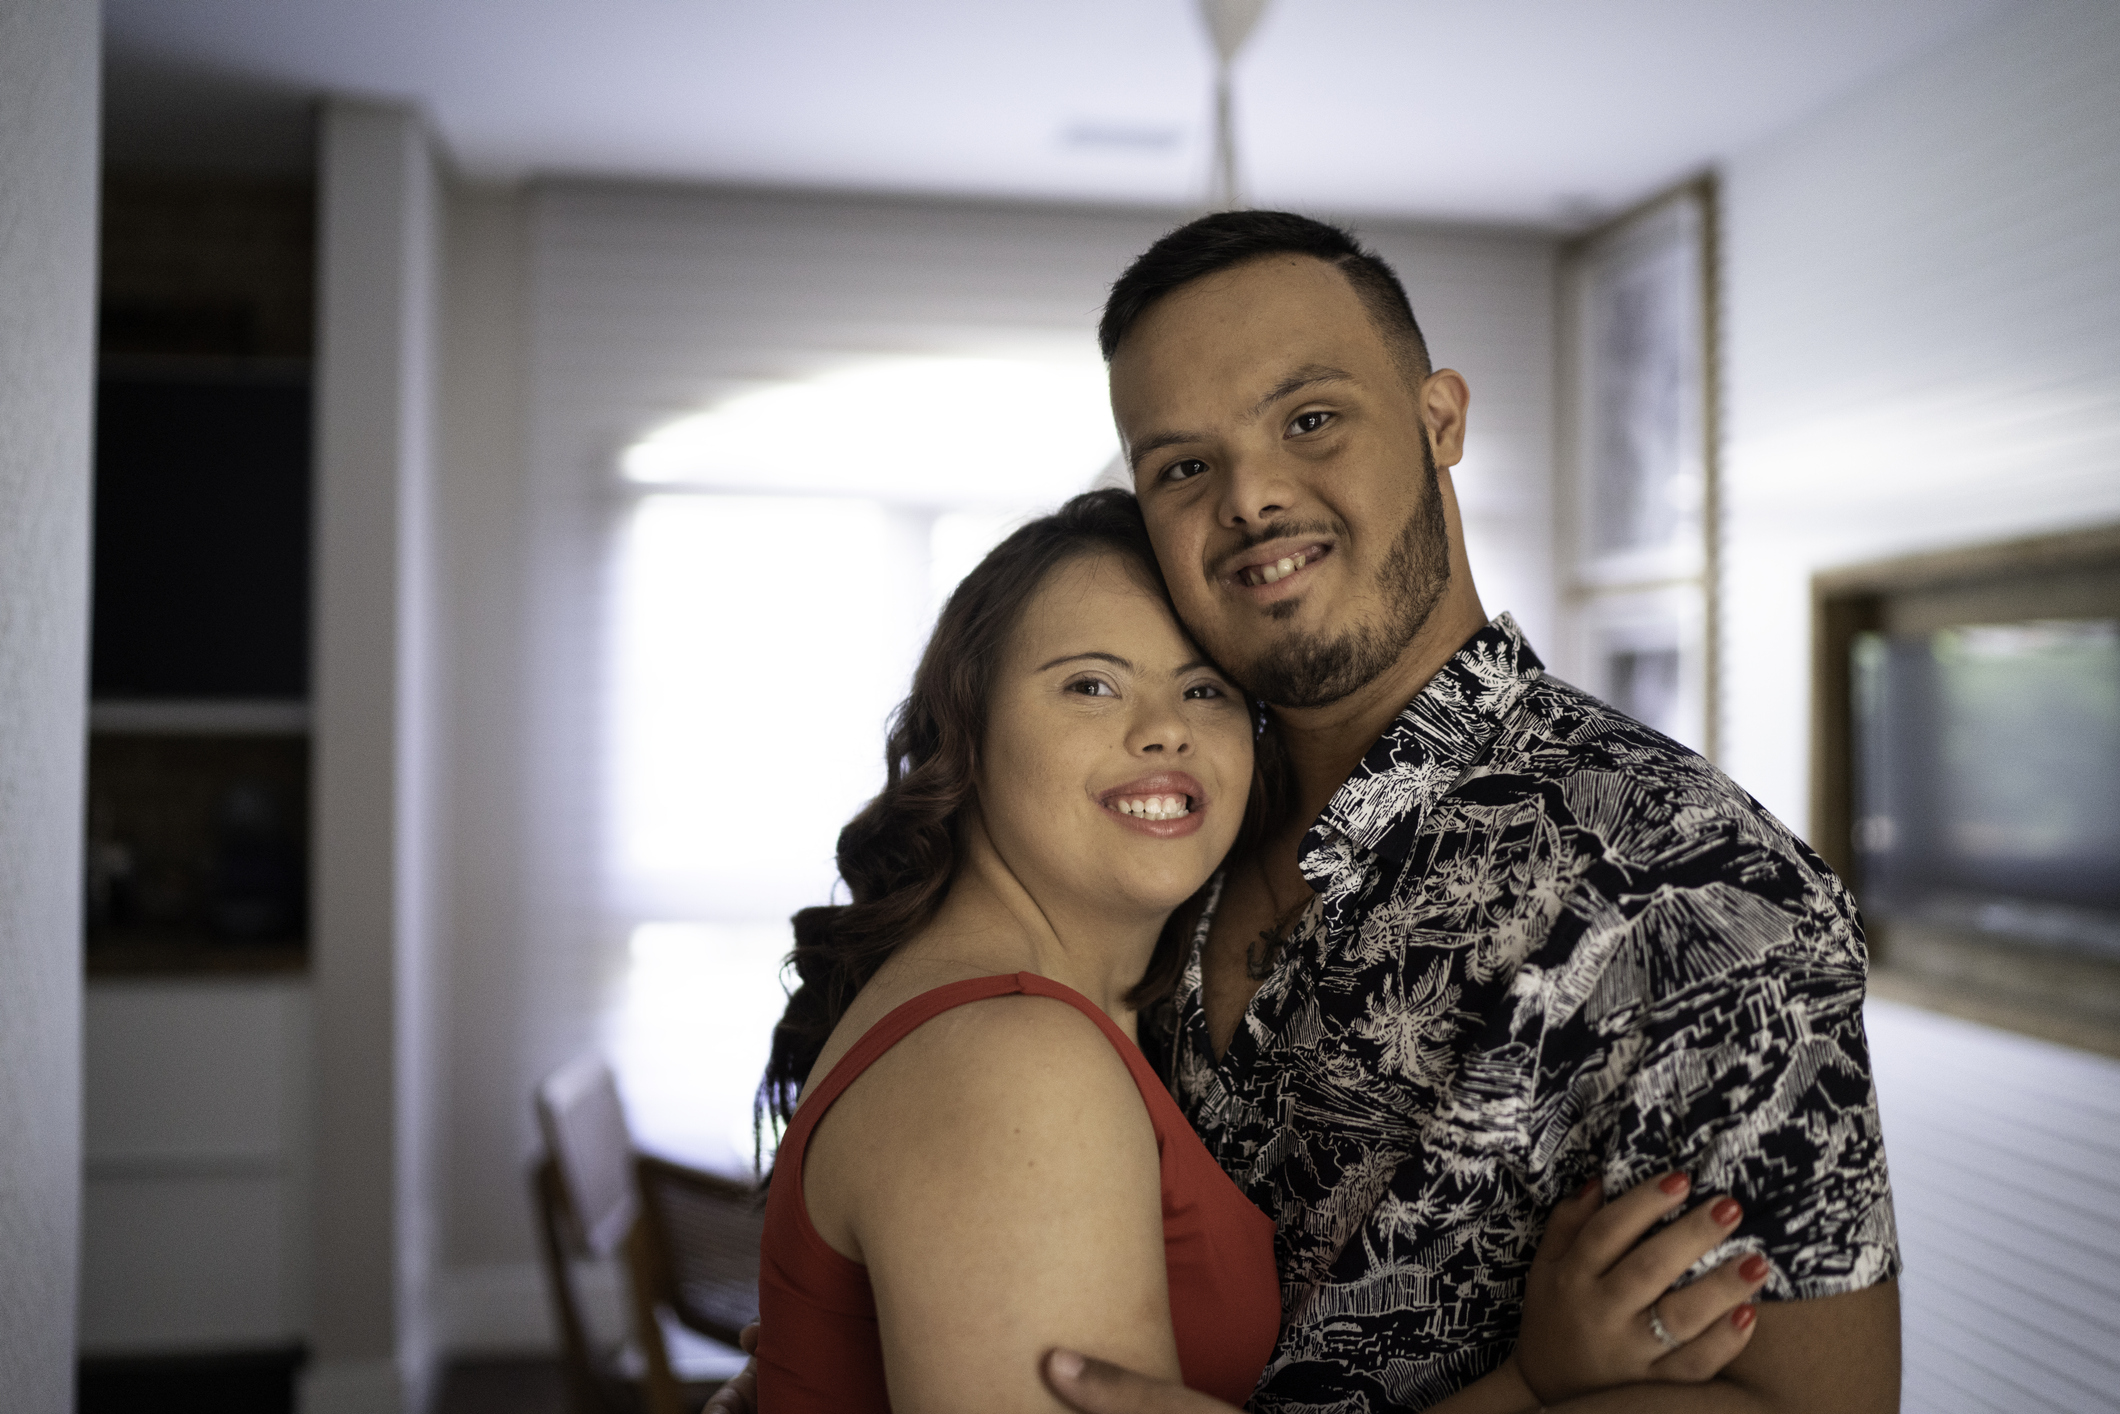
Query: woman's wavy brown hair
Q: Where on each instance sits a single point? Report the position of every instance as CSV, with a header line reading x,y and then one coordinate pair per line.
x,y
899,856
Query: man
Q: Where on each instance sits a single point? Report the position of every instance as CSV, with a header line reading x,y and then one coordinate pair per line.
x,y
1507,938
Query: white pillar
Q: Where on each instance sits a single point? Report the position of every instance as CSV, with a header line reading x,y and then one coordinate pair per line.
x,y
49,82
373,904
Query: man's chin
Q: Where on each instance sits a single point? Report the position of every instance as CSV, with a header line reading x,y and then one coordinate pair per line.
x,y
1302,670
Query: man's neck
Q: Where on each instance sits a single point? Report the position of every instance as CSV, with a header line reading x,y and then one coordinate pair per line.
x,y
1326,744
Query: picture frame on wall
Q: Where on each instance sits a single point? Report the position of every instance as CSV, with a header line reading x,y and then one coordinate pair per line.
x,y
1639,375
1643,651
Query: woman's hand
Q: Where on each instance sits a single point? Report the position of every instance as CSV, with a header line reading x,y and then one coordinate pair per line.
x,y
1598,1306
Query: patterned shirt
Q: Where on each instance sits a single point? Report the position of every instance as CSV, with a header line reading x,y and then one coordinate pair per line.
x,y
1545,943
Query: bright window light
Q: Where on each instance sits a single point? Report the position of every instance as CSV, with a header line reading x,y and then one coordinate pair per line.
x,y
776,579
934,431
762,642
690,1037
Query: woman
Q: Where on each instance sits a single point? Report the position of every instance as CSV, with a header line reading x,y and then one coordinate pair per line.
x,y
979,1165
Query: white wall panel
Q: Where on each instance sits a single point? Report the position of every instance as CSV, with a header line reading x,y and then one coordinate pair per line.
x,y
1923,350
50,53
197,1123
1923,341
185,1262
380,861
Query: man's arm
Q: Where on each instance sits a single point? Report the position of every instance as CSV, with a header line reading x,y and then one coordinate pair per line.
x,y
1828,1355
1594,1282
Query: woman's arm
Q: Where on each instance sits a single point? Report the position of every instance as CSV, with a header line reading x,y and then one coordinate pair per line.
x,y
1001,1182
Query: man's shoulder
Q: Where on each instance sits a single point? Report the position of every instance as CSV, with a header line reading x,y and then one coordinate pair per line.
x,y
1660,839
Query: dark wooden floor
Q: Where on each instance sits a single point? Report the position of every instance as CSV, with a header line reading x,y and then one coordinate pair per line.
x,y
502,1387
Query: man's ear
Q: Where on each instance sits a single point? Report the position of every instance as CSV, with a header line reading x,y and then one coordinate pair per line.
x,y
1444,397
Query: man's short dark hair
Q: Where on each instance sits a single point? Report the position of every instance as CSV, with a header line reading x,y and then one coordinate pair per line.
x,y
1230,238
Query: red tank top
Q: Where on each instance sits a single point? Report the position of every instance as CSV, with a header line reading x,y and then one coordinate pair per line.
x,y
818,1348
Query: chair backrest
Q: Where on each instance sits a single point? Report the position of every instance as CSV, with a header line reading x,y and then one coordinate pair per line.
x,y
705,1230
585,1130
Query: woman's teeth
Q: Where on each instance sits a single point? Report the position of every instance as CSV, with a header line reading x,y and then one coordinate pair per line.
x,y
1279,569
1154,807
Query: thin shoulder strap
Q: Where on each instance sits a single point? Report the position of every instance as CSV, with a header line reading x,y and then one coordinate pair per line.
x,y
910,1016
903,1021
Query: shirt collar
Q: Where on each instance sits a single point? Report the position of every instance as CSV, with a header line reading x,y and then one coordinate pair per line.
x,y
1427,748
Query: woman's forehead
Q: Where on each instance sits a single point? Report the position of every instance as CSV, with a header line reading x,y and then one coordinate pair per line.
x,y
1106,602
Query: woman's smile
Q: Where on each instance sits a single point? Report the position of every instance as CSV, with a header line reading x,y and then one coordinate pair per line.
x,y
1163,805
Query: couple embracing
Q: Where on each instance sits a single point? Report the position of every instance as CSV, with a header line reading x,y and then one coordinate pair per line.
x,y
1506,1056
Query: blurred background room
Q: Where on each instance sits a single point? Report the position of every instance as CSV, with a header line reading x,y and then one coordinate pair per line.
x,y
532,439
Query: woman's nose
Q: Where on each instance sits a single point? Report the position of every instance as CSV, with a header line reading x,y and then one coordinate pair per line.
x,y
1161,734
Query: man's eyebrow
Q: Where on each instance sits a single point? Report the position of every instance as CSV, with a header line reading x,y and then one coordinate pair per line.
x,y
1112,658
1306,376
1140,450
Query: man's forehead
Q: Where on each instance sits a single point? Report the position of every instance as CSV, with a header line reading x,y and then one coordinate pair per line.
x,y
1245,330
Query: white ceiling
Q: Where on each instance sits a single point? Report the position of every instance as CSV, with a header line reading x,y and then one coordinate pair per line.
x,y
1545,112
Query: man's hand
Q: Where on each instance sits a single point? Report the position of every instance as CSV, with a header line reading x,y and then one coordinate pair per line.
x,y
740,1395
1095,1387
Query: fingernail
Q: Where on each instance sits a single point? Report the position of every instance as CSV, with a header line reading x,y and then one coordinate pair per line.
x,y
1589,1188
1065,1364
1753,1268
1674,1183
1743,1317
1727,1211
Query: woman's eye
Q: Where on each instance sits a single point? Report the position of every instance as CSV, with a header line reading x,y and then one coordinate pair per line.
x,y
1092,687
1203,692
1184,470
1309,422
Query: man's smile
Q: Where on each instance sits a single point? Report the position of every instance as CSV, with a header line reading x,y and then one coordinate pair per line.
x,y
1274,563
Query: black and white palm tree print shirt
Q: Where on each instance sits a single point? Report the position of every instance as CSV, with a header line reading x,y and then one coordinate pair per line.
x,y
1546,943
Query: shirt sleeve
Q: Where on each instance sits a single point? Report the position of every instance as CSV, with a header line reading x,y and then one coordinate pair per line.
x,y
1753,1075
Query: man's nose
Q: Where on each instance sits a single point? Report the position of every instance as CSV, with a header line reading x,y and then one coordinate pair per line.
x,y
1254,490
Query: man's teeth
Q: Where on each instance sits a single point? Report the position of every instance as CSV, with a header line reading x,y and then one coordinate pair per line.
x,y
1154,807
1279,569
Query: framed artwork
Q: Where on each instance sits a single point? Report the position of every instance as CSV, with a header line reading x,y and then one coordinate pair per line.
x,y
1643,651
1638,410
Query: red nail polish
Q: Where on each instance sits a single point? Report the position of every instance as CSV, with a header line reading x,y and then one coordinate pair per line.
x,y
1743,1317
1727,1211
1753,1268
1674,1183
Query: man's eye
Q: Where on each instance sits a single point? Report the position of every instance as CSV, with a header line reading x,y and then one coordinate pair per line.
x,y
1092,687
1184,470
1309,422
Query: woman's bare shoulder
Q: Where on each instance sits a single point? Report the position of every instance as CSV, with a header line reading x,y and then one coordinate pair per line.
x,y
1003,1053
966,1107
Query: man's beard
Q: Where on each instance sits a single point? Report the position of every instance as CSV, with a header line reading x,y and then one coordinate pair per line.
x,y
1308,670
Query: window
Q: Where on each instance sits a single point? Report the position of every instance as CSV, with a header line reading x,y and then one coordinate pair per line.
x,y
780,562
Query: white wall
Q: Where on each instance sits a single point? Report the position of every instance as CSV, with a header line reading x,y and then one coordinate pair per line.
x,y
1923,316
1923,346
195,1231
579,316
380,860
49,79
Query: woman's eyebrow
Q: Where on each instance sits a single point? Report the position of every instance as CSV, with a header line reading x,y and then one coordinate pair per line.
x,y
1112,658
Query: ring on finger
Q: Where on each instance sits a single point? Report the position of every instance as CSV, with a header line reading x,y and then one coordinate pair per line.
x,y
1662,1332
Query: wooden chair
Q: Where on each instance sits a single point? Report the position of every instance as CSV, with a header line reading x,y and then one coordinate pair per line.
x,y
686,1240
